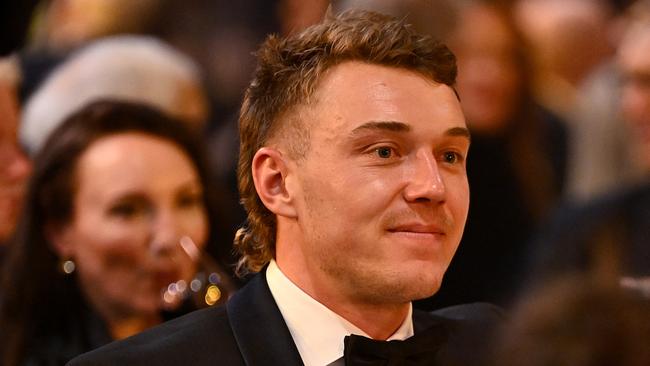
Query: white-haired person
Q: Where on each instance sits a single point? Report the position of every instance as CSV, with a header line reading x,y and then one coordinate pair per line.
x,y
131,68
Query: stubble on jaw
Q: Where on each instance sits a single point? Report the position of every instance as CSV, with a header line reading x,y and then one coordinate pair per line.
x,y
379,286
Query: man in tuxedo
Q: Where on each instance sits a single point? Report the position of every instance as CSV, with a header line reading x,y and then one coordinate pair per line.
x,y
352,171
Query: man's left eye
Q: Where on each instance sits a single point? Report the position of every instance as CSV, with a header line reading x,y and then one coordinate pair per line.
x,y
384,152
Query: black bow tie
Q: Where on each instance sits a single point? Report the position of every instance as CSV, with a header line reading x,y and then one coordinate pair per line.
x,y
420,349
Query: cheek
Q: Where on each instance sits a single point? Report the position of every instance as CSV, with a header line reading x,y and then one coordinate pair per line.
x,y
348,199
458,197
635,103
370,195
105,248
109,254
196,226
114,271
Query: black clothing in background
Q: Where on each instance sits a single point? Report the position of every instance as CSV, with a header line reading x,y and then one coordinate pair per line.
x,y
81,331
35,67
570,241
15,16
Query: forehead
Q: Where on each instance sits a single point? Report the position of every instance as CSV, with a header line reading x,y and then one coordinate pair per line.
x,y
354,93
129,159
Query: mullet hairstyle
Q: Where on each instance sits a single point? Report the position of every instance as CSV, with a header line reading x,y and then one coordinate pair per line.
x,y
288,72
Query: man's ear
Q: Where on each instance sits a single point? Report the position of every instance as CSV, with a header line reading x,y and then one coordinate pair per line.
x,y
269,174
59,239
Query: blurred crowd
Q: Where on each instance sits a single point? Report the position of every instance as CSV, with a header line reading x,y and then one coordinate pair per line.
x,y
119,146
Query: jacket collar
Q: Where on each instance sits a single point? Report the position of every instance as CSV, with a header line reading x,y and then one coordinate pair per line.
x,y
259,329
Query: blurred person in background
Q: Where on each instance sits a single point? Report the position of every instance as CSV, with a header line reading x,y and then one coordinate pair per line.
x,y
516,162
111,237
59,27
14,165
577,321
131,68
569,241
569,39
67,24
573,43
436,18
135,68
14,21
634,64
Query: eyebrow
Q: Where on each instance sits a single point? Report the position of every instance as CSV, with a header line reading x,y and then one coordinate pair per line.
x,y
395,126
382,125
459,131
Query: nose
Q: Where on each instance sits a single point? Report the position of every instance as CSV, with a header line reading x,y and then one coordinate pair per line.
x,y
425,183
165,233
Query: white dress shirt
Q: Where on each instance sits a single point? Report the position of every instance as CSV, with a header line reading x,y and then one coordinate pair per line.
x,y
317,331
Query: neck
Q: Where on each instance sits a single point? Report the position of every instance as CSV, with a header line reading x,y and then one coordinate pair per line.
x,y
377,319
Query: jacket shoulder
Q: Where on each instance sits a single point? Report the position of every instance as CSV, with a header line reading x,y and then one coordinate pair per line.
x,y
470,329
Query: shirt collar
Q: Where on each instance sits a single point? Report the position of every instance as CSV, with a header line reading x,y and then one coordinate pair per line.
x,y
317,331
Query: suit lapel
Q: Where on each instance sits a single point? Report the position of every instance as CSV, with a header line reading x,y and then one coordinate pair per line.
x,y
260,331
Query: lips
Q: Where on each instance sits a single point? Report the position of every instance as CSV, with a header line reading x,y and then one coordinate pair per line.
x,y
417,228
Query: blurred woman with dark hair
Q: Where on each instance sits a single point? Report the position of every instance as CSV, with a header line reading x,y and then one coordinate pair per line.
x,y
116,216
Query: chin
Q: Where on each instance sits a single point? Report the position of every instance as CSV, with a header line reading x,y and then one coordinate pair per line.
x,y
422,290
412,285
425,280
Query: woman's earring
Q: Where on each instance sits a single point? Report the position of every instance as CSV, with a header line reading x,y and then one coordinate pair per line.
x,y
68,266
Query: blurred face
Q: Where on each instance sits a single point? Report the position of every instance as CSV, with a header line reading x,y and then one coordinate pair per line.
x,y
14,165
635,65
488,81
137,196
382,192
76,21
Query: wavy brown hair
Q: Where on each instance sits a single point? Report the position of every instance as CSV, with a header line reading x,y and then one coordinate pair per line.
x,y
288,72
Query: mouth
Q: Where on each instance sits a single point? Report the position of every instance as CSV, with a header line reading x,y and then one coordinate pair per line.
x,y
418,230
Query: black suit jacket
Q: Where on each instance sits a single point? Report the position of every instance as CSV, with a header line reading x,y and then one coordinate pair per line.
x,y
250,330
